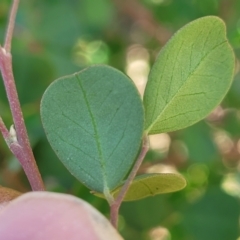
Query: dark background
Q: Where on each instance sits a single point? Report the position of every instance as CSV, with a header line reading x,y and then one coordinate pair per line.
x,y
58,37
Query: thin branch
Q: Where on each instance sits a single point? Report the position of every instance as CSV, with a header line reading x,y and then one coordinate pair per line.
x,y
10,28
20,146
3,129
114,208
27,159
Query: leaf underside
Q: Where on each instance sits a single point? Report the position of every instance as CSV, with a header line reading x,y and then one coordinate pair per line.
x,y
150,185
93,120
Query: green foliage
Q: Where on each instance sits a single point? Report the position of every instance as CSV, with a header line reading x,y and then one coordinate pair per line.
x,y
190,77
94,119
44,48
200,132
216,206
151,184
94,122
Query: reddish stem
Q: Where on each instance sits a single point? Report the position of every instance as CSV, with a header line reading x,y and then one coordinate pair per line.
x,y
10,27
21,146
114,208
25,155
3,129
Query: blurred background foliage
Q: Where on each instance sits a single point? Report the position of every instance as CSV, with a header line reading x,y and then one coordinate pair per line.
x,y
58,37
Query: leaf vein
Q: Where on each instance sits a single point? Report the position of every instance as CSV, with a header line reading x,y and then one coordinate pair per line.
x,y
97,140
187,78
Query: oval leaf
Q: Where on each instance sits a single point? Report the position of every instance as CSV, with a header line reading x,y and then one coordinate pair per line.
x,y
94,122
190,77
151,184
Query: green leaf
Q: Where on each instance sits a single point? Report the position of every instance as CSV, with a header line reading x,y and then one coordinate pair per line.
x,y
151,184
93,120
190,77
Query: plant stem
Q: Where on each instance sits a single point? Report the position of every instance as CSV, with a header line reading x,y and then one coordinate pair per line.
x,y
3,129
114,208
10,28
21,147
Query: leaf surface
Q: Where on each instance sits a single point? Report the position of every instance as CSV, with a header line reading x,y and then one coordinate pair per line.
x,y
93,120
150,185
190,77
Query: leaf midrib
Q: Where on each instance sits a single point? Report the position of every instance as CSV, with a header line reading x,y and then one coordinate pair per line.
x,y
98,144
184,83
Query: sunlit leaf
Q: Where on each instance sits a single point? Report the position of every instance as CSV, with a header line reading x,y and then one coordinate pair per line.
x,y
190,77
151,184
93,120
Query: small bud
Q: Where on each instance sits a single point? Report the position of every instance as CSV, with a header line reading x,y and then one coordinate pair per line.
x,y
13,134
4,51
